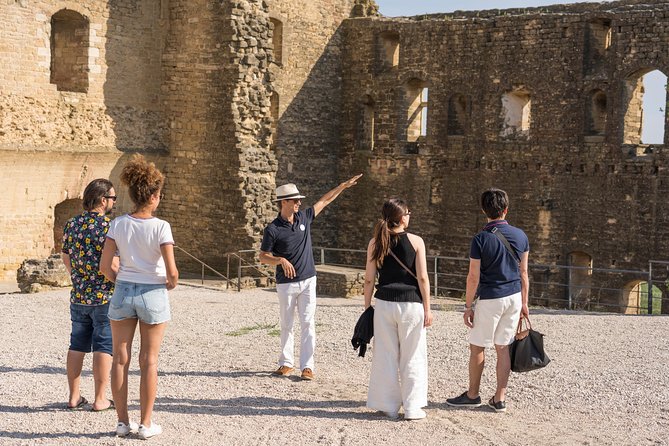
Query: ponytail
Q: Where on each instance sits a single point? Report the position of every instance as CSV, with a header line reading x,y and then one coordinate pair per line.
x,y
391,216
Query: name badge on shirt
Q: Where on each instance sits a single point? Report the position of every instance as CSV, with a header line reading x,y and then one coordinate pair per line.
x,y
302,227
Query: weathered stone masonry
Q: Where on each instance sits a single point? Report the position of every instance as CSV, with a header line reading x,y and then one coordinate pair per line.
x,y
232,97
575,186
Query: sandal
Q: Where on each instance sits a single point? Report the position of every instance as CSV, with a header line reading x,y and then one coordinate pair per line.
x,y
80,405
110,407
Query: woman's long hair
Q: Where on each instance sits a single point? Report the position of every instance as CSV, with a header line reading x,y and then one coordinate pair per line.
x,y
142,178
391,217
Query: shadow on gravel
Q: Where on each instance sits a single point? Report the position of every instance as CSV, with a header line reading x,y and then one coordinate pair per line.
x,y
36,435
43,369
215,374
265,406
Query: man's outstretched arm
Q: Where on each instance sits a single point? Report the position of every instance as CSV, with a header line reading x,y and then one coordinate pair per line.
x,y
334,193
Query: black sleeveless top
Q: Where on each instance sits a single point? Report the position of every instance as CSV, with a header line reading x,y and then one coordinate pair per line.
x,y
395,282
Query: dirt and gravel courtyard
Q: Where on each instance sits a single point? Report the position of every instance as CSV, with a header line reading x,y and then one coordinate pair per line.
x,y
608,382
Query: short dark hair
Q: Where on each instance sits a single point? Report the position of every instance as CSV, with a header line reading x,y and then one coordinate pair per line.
x,y
494,202
95,191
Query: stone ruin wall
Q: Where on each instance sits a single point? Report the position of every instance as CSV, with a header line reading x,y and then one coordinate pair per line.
x,y
308,84
231,98
191,84
53,142
573,190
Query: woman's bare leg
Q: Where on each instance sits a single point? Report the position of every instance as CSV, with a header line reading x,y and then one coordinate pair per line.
x,y
152,337
122,334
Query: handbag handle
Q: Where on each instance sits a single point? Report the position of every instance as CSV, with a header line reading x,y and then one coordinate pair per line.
x,y
402,264
520,333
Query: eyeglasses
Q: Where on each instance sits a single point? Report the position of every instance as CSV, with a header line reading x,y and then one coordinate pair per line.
x,y
407,214
110,197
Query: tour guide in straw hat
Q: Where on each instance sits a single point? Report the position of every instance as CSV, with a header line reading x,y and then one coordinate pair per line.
x,y
286,243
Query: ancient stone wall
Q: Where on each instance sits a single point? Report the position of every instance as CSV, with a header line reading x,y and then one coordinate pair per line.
x,y
507,100
56,136
307,81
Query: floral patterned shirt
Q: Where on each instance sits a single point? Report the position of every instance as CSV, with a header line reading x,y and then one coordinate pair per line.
x,y
83,239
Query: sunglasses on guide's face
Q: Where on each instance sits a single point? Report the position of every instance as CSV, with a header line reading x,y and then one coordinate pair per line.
x,y
111,197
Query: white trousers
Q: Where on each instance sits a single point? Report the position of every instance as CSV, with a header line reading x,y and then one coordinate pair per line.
x,y
399,358
301,296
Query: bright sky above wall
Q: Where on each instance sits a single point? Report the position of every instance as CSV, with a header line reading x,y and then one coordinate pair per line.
x,y
654,82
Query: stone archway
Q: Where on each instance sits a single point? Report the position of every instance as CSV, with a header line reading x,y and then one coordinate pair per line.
x,y
635,298
61,214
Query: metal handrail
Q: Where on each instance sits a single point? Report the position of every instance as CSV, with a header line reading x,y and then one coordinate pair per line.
x,y
203,264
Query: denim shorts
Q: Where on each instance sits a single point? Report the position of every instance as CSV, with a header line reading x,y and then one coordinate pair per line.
x,y
90,329
147,302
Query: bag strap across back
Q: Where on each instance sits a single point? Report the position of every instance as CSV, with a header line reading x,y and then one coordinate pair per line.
x,y
403,265
506,243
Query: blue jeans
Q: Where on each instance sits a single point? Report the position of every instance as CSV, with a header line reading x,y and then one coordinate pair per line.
x,y
147,302
90,329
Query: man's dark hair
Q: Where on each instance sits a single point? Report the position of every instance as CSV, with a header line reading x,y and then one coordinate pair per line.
x,y
95,191
494,202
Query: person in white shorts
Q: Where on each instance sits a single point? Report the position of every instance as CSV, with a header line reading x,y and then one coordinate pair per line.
x,y
499,281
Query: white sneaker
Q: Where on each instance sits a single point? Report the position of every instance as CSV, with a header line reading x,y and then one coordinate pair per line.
x,y
122,429
147,432
415,414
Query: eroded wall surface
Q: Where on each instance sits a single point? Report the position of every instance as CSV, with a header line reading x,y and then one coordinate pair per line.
x,y
574,185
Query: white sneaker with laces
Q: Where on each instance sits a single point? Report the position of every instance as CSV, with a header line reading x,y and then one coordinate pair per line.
x,y
122,429
147,432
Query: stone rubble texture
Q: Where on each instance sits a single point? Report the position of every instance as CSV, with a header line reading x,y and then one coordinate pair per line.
x,y
201,89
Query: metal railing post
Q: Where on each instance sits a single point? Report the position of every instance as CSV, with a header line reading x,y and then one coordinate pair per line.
x,y
436,276
650,288
202,277
322,256
239,273
227,283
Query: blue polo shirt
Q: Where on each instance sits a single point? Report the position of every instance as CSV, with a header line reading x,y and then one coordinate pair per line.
x,y
500,275
292,241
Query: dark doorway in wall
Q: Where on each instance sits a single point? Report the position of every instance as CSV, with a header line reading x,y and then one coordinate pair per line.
x,y
277,40
458,115
596,113
69,51
580,279
61,214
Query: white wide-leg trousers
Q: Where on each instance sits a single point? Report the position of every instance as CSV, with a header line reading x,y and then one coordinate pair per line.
x,y
301,296
399,358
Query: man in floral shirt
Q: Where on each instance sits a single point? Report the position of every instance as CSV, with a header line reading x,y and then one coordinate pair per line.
x,y
83,239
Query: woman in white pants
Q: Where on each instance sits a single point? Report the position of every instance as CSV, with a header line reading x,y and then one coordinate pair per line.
x,y
401,314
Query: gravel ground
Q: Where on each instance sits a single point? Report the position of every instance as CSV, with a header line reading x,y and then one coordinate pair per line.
x,y
608,382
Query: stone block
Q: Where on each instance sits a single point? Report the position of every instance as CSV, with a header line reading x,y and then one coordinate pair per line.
x,y
338,281
35,275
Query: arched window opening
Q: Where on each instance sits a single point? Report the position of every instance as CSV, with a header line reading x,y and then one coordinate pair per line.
x,y
458,115
580,279
635,298
516,106
274,111
645,115
277,40
417,100
598,41
61,214
597,113
389,49
69,51
366,124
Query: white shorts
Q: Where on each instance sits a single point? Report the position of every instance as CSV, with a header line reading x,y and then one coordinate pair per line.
x,y
496,321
